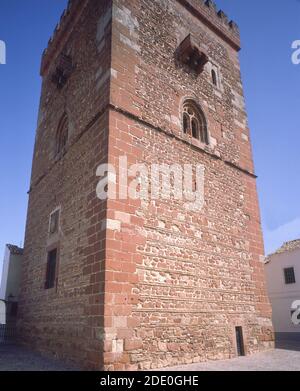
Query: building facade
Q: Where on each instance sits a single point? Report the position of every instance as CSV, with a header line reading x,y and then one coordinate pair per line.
x,y
135,282
2,313
283,283
11,281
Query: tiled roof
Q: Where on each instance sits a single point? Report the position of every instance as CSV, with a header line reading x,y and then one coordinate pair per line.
x,y
287,247
15,250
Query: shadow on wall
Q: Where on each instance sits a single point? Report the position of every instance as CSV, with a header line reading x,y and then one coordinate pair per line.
x,y
287,341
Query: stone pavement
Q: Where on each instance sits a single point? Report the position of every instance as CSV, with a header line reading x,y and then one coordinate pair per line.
x,y
274,360
15,358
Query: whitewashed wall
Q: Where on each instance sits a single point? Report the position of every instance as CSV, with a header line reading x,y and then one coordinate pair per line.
x,y
282,295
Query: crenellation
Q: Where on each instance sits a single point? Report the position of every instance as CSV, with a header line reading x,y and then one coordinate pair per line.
x,y
74,5
67,18
210,4
217,19
223,17
234,27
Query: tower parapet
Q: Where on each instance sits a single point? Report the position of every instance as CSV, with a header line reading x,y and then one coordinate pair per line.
x,y
217,20
62,31
206,10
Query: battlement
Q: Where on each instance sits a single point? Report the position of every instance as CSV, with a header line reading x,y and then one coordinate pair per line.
x,y
62,31
206,10
217,20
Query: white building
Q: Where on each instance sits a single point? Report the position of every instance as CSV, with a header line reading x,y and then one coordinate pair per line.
x,y
11,279
2,321
2,313
283,282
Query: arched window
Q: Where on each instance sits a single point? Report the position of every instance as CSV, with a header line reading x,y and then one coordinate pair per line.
x,y
62,135
214,77
194,122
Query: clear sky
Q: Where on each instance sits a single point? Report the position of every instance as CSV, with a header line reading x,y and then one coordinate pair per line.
x,y
271,83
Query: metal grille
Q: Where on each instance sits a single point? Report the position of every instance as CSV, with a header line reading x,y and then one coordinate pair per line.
x,y
7,334
289,275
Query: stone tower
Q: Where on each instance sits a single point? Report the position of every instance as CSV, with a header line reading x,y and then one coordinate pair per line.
x,y
123,283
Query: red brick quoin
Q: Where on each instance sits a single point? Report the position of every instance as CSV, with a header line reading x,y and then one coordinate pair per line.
x,y
142,284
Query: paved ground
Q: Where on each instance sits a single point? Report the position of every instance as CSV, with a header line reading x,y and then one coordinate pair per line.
x,y
15,358
275,360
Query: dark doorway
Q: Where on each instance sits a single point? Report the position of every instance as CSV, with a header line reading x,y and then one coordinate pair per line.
x,y
240,341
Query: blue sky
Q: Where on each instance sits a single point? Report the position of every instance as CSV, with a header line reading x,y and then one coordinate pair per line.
x,y
271,83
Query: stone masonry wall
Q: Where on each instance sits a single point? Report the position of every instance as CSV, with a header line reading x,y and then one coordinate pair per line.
x,y
180,282
143,284
67,320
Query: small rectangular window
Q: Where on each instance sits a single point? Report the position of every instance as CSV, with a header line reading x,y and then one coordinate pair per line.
x,y
289,275
54,222
51,269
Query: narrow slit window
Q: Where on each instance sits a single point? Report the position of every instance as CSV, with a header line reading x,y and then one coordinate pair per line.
x,y
54,222
51,269
214,77
240,341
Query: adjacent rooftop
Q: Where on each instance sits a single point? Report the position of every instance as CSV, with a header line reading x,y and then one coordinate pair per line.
x,y
15,250
287,247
